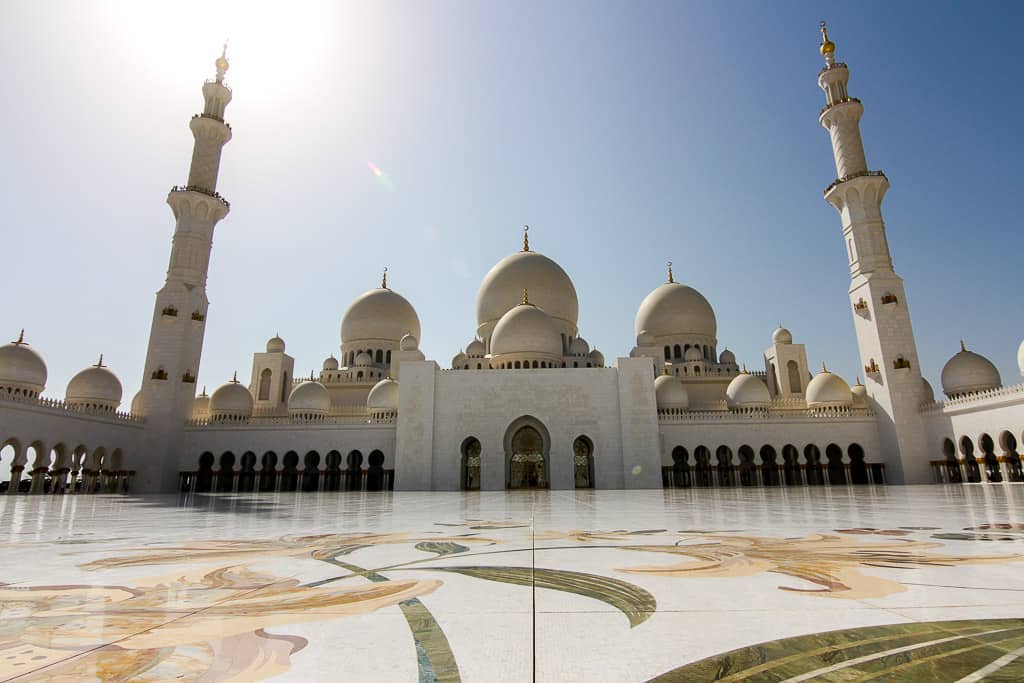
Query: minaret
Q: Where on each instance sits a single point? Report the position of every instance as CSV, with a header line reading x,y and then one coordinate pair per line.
x,y
878,301
179,317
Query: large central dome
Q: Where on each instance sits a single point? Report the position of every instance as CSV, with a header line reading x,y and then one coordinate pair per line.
x,y
550,288
379,314
674,310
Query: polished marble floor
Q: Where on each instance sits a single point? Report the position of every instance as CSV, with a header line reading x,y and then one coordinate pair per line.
x,y
898,583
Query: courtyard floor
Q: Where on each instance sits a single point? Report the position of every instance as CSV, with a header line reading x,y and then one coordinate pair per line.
x,y
840,583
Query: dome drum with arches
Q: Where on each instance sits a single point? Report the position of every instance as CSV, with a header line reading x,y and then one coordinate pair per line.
x,y
231,402
675,313
95,388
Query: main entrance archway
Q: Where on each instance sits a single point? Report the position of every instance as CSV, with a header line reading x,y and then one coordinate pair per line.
x,y
526,449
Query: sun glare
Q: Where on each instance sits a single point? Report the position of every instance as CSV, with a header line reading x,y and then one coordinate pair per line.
x,y
274,41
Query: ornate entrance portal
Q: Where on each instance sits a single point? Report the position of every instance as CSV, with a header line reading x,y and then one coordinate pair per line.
x,y
526,468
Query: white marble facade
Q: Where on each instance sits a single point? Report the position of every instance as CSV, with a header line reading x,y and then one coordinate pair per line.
x,y
527,401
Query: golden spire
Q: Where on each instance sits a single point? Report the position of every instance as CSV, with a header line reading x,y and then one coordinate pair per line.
x,y
384,279
204,391
671,279
526,297
21,338
222,63
234,378
824,369
526,238
99,364
827,46
962,347
745,369
858,382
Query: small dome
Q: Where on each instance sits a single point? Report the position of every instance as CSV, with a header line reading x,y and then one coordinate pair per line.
x,y
727,357
309,397
1020,358
782,336
580,347
94,386
674,310
968,372
671,393
200,406
231,400
409,343
383,397
21,367
379,314
693,353
549,285
330,363
526,329
363,359
476,349
597,358
275,345
459,360
645,338
859,392
828,390
929,393
747,391
136,406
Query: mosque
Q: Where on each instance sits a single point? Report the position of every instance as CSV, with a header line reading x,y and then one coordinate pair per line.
x,y
527,403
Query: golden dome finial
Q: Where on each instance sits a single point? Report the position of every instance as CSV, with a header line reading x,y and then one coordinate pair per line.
x,y
745,369
99,363
526,238
671,279
526,297
21,338
962,346
823,368
827,46
204,391
384,279
222,63
234,378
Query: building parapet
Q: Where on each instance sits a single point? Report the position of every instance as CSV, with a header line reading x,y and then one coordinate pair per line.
x,y
292,421
966,401
669,415
57,405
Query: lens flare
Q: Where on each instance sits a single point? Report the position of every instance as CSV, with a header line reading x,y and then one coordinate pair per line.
x,y
382,178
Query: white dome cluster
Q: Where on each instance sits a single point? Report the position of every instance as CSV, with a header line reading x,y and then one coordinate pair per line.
x,y
231,402
968,372
828,390
95,388
22,369
549,285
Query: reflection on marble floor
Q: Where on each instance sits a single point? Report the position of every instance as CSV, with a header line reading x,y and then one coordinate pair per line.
x,y
811,584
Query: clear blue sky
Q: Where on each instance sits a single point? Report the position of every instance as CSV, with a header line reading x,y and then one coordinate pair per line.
x,y
625,134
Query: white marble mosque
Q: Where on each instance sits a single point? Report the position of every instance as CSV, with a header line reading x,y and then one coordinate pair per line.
x,y
527,403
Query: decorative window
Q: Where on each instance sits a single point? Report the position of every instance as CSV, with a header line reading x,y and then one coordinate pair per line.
x,y
901,363
889,298
170,311
872,367
198,317
862,305
188,378
159,373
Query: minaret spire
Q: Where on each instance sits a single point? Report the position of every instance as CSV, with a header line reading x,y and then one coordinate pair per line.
x,y
878,299
526,238
671,279
384,279
180,313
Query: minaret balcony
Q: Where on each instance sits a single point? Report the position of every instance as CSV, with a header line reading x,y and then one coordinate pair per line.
x,y
853,176
202,190
212,117
845,100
